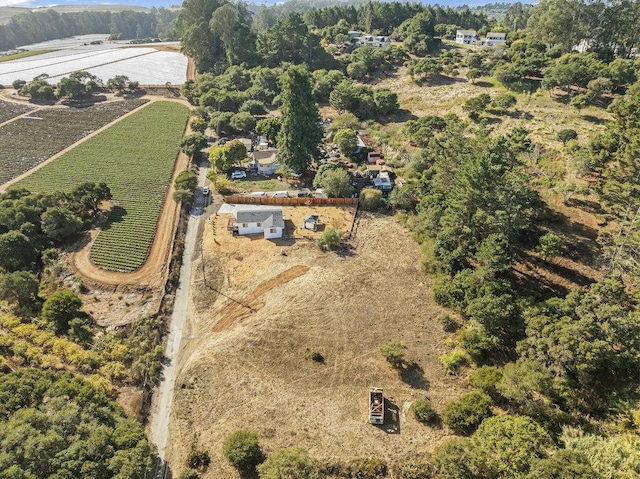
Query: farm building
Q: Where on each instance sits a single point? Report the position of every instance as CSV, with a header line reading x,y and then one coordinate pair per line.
x,y
495,39
466,37
265,162
255,219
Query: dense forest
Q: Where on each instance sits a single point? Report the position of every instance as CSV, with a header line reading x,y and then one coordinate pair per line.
x,y
553,372
40,26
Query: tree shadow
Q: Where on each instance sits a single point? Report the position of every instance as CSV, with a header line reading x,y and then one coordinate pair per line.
x,y
391,418
400,116
116,215
483,84
585,205
593,119
413,375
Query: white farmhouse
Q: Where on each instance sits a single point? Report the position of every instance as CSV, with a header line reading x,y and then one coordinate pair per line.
x,y
256,219
495,39
466,37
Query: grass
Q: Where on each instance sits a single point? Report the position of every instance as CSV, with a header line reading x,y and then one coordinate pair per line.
x,y
27,54
273,310
135,157
10,110
25,143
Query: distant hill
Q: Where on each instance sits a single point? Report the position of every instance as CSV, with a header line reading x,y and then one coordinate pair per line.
x,y
7,12
144,5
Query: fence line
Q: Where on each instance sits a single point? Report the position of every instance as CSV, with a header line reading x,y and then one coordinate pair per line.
x,y
238,199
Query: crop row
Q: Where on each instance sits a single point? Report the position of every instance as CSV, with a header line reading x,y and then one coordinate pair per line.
x,y
135,157
27,142
11,110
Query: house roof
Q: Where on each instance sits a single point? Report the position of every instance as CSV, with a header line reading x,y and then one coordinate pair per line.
x,y
265,157
496,35
269,216
465,32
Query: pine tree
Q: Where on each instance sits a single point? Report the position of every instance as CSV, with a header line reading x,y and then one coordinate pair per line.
x,y
300,132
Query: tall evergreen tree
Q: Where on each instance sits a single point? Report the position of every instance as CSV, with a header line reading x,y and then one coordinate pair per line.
x,y
300,132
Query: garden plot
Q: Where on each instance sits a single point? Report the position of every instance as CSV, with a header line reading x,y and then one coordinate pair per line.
x,y
11,110
147,66
28,141
135,158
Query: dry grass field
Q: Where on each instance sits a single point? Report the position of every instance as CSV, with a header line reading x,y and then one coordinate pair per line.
x,y
256,315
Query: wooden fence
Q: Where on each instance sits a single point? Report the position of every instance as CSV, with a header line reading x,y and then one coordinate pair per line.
x,y
250,200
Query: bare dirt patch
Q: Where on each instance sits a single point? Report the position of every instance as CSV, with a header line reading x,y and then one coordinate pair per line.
x,y
252,371
340,218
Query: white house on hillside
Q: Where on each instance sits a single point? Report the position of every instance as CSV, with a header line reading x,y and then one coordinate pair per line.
x,y
466,37
256,219
265,161
495,39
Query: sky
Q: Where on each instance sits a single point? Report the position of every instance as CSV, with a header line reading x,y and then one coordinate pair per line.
x,y
168,3
49,3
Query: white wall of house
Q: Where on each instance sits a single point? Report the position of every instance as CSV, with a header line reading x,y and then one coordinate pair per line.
x,y
273,232
269,169
250,228
258,228
466,37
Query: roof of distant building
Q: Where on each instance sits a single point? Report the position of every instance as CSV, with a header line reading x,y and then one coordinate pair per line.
x,y
265,157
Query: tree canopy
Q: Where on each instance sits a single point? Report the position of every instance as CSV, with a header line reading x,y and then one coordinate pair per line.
x,y
300,132
67,428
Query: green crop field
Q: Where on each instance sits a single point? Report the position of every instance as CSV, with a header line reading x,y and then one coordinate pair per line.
x,y
135,157
11,110
27,142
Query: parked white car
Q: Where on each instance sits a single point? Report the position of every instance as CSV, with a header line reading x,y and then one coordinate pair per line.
x,y
238,174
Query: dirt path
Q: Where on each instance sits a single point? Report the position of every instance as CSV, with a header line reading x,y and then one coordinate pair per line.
x,y
163,395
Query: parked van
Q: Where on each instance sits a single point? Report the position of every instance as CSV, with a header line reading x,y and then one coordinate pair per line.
x,y
258,194
281,194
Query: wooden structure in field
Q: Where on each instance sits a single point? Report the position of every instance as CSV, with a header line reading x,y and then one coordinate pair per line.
x,y
376,406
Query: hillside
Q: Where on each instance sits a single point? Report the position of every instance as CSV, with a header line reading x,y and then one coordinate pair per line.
x,y
7,12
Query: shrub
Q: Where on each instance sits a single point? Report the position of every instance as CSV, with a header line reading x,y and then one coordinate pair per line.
x,y
423,410
549,246
290,462
370,199
567,134
316,356
415,470
465,415
504,101
242,450
367,468
330,238
189,474
453,360
486,378
448,323
221,183
477,344
199,460
394,352
255,107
